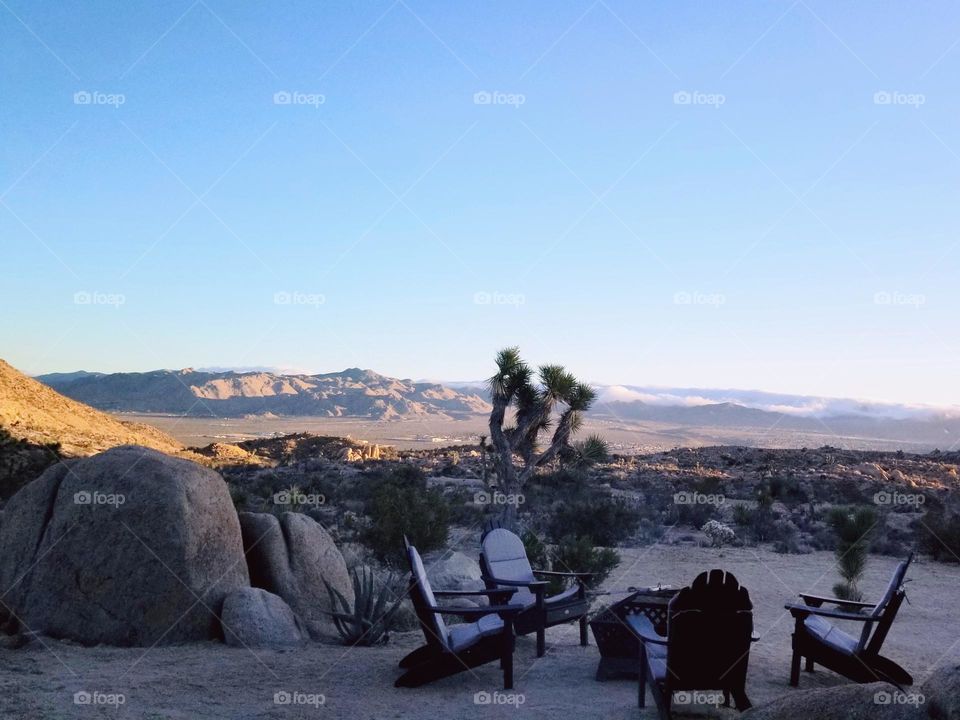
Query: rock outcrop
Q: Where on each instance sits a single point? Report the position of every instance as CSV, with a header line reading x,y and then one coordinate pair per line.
x,y
253,617
128,547
292,557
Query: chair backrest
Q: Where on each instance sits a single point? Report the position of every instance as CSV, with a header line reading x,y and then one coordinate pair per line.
x,y
421,595
885,610
709,628
505,557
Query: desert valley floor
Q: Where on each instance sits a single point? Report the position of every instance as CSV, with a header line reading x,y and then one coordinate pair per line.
x,y
210,680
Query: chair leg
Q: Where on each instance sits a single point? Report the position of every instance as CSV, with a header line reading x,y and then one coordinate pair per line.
x,y
506,658
740,699
642,676
541,642
583,631
809,665
795,669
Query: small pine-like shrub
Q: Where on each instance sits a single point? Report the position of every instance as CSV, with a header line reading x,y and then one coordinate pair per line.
x,y
852,527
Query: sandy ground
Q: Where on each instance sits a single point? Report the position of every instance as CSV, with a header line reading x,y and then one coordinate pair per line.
x,y
213,681
624,436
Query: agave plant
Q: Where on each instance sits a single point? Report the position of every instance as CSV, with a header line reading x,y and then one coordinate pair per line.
x,y
369,620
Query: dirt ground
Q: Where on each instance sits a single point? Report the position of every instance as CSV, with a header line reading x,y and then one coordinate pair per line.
x,y
211,680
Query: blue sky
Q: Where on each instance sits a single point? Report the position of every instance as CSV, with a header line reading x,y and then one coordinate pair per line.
x,y
743,194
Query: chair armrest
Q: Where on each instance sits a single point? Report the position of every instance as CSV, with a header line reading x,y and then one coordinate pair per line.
x,y
818,600
646,632
466,593
798,611
537,586
479,612
554,573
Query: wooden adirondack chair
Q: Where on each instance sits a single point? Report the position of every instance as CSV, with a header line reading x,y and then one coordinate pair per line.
x,y
461,647
707,646
505,567
858,659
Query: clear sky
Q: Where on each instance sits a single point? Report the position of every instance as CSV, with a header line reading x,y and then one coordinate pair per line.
x,y
737,194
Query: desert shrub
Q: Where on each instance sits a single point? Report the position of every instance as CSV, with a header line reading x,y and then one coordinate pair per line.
x,y
693,514
787,539
578,554
762,524
22,461
940,535
401,504
852,527
718,533
787,490
595,515
369,619
742,515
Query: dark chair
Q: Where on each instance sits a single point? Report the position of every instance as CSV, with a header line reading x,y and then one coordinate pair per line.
x,y
858,659
505,567
707,646
449,651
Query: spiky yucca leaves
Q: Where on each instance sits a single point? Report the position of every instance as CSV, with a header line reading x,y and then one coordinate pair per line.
x,y
852,527
594,449
368,622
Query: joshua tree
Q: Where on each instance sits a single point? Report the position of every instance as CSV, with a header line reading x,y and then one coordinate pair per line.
x,y
534,403
853,527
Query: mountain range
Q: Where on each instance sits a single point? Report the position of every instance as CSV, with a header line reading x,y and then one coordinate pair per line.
x,y
350,393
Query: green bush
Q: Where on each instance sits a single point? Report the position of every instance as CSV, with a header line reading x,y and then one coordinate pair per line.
x,y
940,536
400,504
852,527
595,515
578,554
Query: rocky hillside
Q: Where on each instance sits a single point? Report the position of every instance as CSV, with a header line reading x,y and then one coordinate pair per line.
x,y
350,393
34,414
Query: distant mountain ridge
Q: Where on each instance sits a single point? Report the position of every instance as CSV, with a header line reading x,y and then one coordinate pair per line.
x,y
353,392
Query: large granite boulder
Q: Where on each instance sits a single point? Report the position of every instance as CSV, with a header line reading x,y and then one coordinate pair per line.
x,y
942,692
291,557
128,547
253,617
